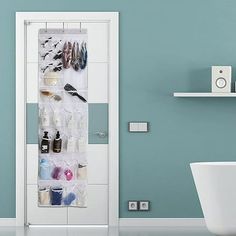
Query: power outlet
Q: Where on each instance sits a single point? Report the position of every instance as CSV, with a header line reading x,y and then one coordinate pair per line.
x,y
133,205
144,205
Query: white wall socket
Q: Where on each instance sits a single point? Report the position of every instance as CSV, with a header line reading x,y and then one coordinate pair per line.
x,y
133,205
144,205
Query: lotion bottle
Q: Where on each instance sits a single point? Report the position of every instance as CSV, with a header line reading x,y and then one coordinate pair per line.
x,y
57,143
45,119
45,143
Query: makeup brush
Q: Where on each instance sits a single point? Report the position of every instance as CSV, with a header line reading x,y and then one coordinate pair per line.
x,y
73,92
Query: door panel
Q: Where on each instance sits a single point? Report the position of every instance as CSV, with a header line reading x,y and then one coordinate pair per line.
x,y
96,212
97,76
32,87
32,163
98,164
43,215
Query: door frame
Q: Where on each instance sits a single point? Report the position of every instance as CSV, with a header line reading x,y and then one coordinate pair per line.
x,y
22,18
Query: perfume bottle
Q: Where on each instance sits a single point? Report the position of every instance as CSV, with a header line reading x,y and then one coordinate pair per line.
x,y
45,143
57,143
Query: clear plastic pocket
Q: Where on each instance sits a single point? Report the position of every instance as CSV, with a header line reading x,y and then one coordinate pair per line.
x,y
44,196
62,194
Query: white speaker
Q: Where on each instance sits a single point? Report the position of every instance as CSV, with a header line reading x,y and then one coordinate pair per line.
x,y
221,79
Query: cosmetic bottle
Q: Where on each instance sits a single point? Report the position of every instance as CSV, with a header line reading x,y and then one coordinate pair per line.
x,y
45,119
72,122
71,144
82,123
57,119
82,145
45,143
57,143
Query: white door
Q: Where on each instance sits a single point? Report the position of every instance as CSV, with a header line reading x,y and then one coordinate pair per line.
x,y
99,76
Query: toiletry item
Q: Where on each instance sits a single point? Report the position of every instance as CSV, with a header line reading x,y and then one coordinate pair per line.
x,y
57,43
51,95
44,196
69,199
58,55
45,143
69,175
47,67
82,145
71,144
72,122
46,93
58,67
44,44
45,118
57,173
47,54
82,196
44,169
57,193
57,119
57,143
82,172
57,98
82,122
73,92
51,78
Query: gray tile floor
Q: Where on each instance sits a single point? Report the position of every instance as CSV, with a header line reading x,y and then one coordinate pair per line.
x,y
124,231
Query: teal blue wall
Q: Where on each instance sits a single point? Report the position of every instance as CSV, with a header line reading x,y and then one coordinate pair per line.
x,y
165,46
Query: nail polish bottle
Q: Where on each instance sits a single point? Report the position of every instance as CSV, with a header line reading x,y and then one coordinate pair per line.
x,y
57,143
45,143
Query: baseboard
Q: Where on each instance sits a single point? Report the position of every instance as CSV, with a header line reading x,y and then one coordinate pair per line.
x,y
163,222
7,222
134,222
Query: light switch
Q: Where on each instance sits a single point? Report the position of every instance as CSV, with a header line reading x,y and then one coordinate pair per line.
x,y
138,127
133,127
143,127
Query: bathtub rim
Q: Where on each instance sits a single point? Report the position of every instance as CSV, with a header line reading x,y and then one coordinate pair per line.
x,y
213,163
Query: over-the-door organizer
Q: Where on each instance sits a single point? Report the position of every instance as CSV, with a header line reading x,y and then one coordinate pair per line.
x,y
63,118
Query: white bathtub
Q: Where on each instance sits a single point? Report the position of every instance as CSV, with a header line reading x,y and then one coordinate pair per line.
x,y
216,187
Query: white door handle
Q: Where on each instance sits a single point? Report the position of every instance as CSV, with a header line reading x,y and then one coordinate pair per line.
x,y
101,134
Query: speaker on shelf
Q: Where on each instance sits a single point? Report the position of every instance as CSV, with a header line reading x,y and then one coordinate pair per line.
x,y
221,79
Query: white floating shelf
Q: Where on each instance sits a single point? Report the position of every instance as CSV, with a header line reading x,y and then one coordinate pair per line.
x,y
204,94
